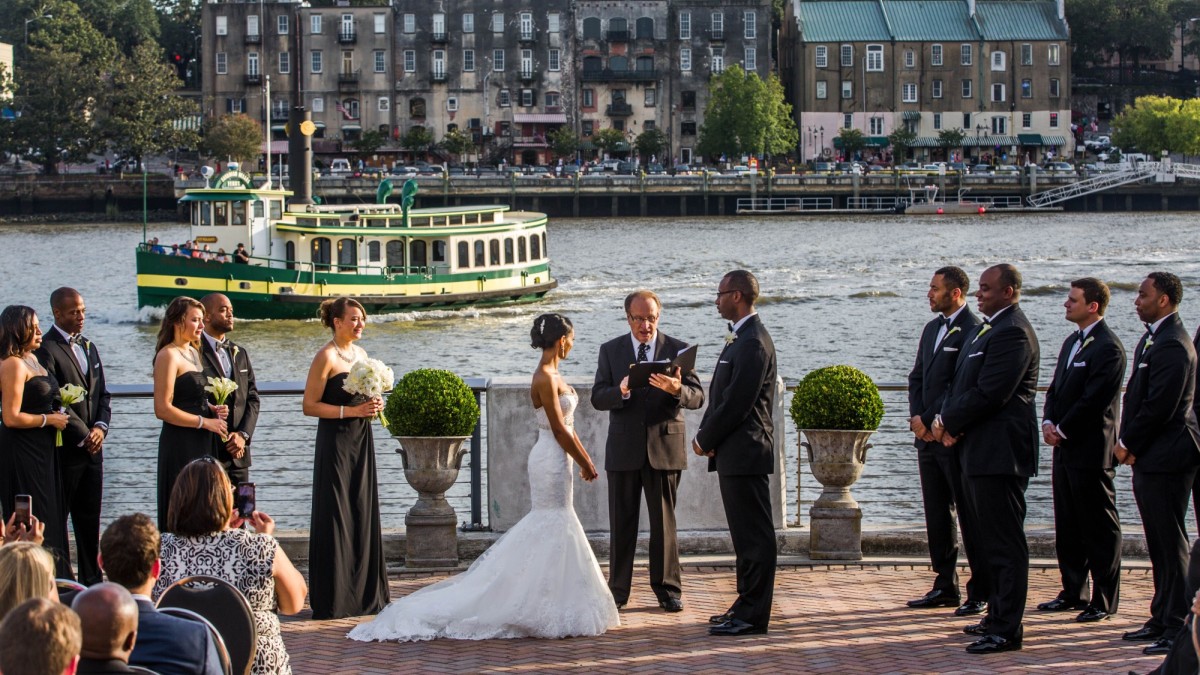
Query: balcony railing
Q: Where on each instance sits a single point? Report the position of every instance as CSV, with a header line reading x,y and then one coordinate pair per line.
x,y
716,34
439,37
527,74
253,78
438,75
528,36
348,37
619,110
349,79
618,36
610,75
253,38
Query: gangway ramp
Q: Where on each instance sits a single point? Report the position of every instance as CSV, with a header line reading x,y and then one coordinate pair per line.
x,y
1100,183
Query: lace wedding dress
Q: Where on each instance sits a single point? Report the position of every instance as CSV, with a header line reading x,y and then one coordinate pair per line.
x,y
540,579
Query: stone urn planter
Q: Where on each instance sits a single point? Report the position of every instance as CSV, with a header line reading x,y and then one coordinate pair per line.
x,y
837,409
431,413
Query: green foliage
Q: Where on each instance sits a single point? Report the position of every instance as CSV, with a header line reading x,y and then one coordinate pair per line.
x,y
837,397
369,142
951,138
1132,30
746,116
649,143
901,140
852,140
607,138
140,111
128,22
431,402
233,137
1156,123
417,139
563,141
458,142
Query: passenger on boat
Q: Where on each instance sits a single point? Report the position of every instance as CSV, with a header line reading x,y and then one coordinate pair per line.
x,y
240,255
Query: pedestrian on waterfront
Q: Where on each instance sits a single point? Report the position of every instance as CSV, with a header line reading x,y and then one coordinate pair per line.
x,y
646,450
207,539
223,358
346,563
989,414
74,359
188,420
1160,439
737,436
1079,420
938,466
31,408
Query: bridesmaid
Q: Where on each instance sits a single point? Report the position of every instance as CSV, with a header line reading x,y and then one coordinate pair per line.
x,y
347,573
179,398
31,411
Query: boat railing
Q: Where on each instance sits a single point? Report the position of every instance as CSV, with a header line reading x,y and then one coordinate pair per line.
x,y
303,268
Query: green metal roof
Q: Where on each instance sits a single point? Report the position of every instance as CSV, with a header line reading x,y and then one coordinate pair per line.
x,y
927,20
930,20
842,21
1020,20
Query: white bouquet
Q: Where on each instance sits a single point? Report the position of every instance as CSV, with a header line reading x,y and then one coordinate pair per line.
x,y
70,394
221,388
370,378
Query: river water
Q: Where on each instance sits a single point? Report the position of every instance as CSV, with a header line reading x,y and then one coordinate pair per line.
x,y
835,290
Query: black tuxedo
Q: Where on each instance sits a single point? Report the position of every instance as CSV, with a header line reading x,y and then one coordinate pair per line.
x,y
1158,426
81,472
939,466
645,452
1083,402
990,404
243,406
169,645
739,430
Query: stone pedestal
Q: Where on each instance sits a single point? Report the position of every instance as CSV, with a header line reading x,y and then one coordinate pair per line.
x,y
431,466
837,459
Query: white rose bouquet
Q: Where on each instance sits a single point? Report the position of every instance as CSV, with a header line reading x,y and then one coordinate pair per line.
x,y
370,378
221,388
70,394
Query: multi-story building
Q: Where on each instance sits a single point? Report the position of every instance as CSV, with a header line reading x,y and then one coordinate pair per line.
x,y
999,70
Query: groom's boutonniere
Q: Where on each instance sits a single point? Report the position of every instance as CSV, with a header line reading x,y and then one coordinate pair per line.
x,y
730,337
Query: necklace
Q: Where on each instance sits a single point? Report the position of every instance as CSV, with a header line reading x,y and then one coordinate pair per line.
x,y
188,356
340,354
31,361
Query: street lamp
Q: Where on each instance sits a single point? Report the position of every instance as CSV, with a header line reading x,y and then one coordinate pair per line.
x,y
29,21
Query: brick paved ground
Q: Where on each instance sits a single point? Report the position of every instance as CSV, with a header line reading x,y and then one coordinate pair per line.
x,y
827,619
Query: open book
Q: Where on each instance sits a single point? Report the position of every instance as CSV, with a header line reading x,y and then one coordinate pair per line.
x,y
639,373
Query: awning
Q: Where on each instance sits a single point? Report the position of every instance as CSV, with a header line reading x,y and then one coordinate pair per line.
x,y
539,118
1030,139
587,145
926,142
277,147
988,141
620,146
216,196
351,127
868,142
319,125
1054,140
278,127
910,115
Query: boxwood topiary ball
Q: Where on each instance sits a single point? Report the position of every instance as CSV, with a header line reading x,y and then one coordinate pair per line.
x,y
431,402
837,397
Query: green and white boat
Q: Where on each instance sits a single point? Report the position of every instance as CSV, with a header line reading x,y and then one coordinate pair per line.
x,y
387,256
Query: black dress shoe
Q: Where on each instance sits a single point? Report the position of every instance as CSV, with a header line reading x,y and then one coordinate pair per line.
x,y
737,627
1060,605
993,644
935,598
1092,614
971,607
621,603
1161,646
980,629
671,604
1144,634
721,618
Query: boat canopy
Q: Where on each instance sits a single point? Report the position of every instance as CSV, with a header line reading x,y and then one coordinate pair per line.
x,y
209,196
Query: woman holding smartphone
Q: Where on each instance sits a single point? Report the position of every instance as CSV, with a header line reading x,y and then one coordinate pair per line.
x,y
189,421
32,413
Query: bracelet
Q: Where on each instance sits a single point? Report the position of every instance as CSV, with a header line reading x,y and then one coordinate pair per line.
x,y
43,425
199,421
341,412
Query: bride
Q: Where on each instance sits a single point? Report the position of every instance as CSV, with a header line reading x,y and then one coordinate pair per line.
x,y
540,579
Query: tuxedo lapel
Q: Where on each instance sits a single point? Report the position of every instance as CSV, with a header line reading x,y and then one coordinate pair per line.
x,y
660,347
69,354
210,357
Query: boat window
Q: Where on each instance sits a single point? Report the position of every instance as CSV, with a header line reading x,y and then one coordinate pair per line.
x,y
494,249
439,251
321,249
290,254
373,251
258,209
508,251
464,255
535,247
521,249
545,247
239,213
347,254
416,252
276,209
395,254
220,213
205,214
480,261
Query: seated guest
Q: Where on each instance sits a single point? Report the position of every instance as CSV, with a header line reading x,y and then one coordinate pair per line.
x,y
14,531
206,538
166,644
108,618
26,571
39,637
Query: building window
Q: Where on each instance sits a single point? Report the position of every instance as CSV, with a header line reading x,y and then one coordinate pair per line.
x,y
822,57
751,61
848,121
1027,54
649,100
1026,120
498,22
526,26
281,24
252,64
1026,88
966,89
314,24
468,23
685,25
877,125
750,24
591,28
997,93
318,104
527,98
937,121
385,104
1054,87
822,89
552,23
381,23
687,128
966,121
439,63
687,99
847,89
685,59
910,92
717,26
416,108
316,64
439,26
252,25
718,59
589,98
285,62
235,105
555,60
410,23
505,98
999,126
222,25
410,61
965,58
910,59
1055,53
589,128
937,88
380,61
222,63
998,61
1053,120
468,60
498,60
553,101
875,58
847,56
452,103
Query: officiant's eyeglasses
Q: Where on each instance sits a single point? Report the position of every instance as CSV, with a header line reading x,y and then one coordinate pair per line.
x,y
640,319
720,293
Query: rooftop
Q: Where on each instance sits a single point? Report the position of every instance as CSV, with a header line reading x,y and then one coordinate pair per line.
x,y
927,20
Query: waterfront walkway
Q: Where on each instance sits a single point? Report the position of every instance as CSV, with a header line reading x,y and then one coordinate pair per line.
x,y
828,618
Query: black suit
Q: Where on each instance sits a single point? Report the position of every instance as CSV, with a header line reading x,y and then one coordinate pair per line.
x,y
991,406
169,645
939,466
1158,426
243,406
81,472
1083,401
645,452
102,667
739,429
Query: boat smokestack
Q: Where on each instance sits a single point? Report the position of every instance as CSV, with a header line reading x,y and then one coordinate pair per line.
x,y
300,159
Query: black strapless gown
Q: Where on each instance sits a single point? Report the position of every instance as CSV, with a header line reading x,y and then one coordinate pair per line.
x,y
29,466
347,573
177,446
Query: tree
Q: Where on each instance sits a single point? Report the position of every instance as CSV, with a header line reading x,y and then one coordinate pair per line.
x,y
1128,29
951,138
607,139
650,143
141,111
1156,123
128,22
233,137
458,143
563,141
901,140
417,139
746,116
852,140
368,143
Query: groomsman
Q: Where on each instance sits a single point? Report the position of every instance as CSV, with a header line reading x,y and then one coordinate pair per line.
x,y
737,436
223,358
939,466
1080,422
1160,438
73,359
989,410
646,449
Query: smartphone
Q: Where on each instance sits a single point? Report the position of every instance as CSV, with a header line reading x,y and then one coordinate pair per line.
x,y
244,500
23,507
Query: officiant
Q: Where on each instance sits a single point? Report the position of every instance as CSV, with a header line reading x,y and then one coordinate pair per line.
x,y
646,448
223,358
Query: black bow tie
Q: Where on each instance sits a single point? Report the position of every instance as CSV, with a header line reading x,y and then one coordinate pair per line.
x,y
943,321
730,325
77,340
1149,328
227,346
987,322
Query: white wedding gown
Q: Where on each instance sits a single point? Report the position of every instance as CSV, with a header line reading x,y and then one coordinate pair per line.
x,y
540,579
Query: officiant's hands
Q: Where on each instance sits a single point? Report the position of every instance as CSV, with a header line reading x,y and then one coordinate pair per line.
x,y
672,384
625,387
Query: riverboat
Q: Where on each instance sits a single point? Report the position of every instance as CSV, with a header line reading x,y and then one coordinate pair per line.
x,y
925,200
387,256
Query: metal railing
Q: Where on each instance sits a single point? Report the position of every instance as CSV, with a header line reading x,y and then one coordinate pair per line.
x,y
624,75
784,204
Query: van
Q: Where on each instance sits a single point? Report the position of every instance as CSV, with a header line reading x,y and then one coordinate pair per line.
x,y
339,167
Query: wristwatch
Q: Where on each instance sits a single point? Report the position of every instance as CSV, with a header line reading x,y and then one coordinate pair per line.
x,y
937,422
245,436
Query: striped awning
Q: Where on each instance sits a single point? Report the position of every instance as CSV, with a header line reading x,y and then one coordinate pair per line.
x,y
539,118
926,142
1054,140
910,115
988,141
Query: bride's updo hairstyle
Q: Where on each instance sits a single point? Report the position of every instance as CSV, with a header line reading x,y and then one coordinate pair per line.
x,y
548,329
335,308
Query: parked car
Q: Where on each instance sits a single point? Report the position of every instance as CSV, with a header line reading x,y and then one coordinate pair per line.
x,y
626,168
683,170
609,165
340,167
1006,170
957,167
738,170
570,170
981,169
655,168
1098,143
277,169
936,169
1060,168
824,167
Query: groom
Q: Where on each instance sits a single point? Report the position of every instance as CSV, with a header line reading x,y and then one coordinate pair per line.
x,y
222,358
646,449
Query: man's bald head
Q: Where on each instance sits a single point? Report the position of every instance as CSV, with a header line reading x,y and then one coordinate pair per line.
x,y
218,314
109,617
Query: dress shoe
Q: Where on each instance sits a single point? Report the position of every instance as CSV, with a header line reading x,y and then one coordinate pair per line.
x,y
721,618
971,607
1060,605
1161,646
980,629
1144,634
671,604
935,598
737,627
621,603
993,644
1092,614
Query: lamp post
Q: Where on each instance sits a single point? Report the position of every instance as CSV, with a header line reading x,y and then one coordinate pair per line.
x,y
29,21
821,148
979,129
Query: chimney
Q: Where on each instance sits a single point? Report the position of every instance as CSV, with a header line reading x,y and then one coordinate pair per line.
x,y
1062,11
971,8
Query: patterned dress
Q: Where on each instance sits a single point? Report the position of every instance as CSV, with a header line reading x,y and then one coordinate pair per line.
x,y
244,559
